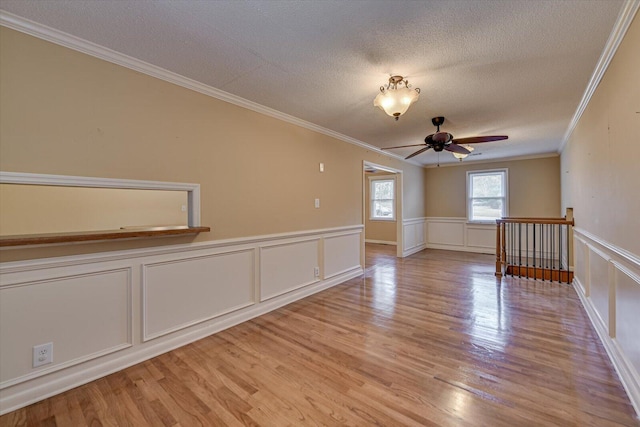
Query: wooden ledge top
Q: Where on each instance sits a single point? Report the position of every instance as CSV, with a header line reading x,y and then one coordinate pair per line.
x,y
84,236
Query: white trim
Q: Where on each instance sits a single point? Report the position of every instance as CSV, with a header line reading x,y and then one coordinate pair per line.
x,y
339,233
414,250
399,205
625,18
623,253
47,263
470,173
349,270
473,249
417,220
381,242
85,181
193,190
44,32
373,179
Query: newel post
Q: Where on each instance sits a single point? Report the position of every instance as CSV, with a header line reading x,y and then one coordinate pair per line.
x,y
498,250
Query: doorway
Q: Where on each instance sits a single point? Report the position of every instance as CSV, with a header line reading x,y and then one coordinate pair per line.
x,y
382,216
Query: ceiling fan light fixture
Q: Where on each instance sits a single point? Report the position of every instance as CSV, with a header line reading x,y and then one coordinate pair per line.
x,y
396,97
461,156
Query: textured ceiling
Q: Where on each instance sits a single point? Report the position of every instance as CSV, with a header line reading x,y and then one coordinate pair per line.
x,y
490,67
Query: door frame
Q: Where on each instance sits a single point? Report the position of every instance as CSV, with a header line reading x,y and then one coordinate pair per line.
x,y
399,204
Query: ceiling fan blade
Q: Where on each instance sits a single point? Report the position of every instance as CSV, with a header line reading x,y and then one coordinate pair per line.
x,y
417,152
478,139
455,148
402,146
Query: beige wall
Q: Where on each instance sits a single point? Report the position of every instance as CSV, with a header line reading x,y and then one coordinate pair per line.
x,y
534,188
600,163
63,112
385,231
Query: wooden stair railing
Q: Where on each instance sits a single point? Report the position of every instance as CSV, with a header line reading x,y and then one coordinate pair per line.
x,y
537,248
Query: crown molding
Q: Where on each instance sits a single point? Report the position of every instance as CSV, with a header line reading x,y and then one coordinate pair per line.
x,y
52,35
625,17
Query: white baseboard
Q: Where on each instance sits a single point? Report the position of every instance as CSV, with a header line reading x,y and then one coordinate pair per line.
x,y
413,250
462,249
381,242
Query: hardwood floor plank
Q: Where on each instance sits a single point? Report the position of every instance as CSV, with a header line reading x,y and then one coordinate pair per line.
x,y
429,340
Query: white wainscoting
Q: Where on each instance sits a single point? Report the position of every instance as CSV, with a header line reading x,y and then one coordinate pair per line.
x,y
607,279
85,315
104,312
414,235
179,293
285,267
341,253
456,234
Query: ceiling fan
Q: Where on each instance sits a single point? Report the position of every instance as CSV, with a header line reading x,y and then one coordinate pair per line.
x,y
444,141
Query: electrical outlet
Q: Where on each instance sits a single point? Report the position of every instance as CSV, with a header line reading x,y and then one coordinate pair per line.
x,y
42,354
317,203
316,271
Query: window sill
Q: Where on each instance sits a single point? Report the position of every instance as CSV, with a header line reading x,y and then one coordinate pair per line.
x,y
383,219
87,236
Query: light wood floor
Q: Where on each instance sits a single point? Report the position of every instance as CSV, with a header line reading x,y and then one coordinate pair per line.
x,y
428,340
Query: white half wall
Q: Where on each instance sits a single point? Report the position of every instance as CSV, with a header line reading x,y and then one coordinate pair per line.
x,y
607,280
178,293
456,234
287,266
341,253
104,312
86,314
414,235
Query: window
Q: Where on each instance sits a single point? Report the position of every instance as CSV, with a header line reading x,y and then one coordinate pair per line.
x,y
382,199
487,193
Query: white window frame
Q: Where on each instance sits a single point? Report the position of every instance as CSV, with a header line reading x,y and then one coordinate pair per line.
x,y
505,184
372,180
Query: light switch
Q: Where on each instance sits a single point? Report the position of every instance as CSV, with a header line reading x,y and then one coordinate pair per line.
x,y
317,203
321,167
